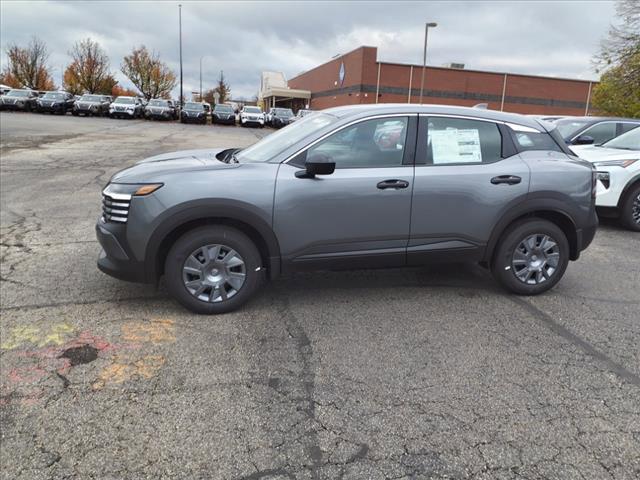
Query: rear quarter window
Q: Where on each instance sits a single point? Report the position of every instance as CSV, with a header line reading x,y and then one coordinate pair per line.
x,y
526,141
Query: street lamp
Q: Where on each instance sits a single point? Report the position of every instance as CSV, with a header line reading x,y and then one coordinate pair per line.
x,y
180,30
424,57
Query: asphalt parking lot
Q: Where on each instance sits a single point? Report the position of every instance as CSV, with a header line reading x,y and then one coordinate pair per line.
x,y
411,373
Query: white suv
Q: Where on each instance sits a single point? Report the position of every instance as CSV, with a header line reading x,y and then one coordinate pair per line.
x,y
252,116
618,186
127,107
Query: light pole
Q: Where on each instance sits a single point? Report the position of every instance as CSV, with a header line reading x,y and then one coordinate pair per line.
x,y
180,29
200,78
424,57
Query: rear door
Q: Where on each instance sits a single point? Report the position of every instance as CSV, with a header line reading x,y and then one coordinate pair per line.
x,y
467,175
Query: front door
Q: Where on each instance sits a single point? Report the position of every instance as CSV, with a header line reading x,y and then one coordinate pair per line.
x,y
358,216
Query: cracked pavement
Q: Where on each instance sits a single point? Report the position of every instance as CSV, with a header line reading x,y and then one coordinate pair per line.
x,y
408,373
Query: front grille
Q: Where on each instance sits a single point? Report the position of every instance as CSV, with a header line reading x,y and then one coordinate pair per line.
x,y
115,206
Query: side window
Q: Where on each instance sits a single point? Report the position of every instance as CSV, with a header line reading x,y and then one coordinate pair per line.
x,y
628,126
372,143
456,140
601,132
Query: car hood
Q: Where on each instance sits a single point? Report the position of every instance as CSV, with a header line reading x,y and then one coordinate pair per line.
x,y
594,153
154,168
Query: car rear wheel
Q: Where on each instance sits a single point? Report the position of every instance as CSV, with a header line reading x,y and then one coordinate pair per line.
x,y
531,257
630,211
213,269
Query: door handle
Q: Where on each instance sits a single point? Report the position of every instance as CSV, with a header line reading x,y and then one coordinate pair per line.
x,y
506,179
395,184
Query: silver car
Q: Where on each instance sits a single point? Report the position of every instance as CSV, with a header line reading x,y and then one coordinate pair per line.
x,y
353,187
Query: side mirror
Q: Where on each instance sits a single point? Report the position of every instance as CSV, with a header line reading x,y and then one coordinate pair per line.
x,y
317,164
583,140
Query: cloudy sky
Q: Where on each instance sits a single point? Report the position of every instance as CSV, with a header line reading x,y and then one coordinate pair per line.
x,y
551,38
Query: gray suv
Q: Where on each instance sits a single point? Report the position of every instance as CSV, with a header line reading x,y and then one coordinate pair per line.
x,y
353,187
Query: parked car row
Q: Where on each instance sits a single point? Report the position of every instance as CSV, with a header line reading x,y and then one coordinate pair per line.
x,y
136,107
590,130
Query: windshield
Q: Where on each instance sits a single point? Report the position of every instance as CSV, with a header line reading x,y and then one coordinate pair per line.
x,y
626,141
91,98
252,110
158,103
284,112
568,128
53,96
277,142
223,108
193,106
18,93
127,100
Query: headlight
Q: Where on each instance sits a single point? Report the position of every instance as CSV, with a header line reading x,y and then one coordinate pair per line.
x,y
616,163
133,189
604,178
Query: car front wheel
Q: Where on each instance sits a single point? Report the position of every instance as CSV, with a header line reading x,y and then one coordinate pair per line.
x,y
213,269
630,211
531,257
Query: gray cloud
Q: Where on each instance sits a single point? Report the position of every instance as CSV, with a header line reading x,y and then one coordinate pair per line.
x,y
244,38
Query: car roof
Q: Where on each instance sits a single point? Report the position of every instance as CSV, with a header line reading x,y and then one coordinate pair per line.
x,y
388,108
600,119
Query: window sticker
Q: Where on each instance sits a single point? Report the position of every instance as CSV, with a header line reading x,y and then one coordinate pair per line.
x,y
455,146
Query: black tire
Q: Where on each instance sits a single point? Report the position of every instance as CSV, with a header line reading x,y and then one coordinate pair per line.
x,y
199,237
502,266
631,201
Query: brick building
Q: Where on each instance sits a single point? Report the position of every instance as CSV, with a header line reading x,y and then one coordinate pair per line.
x,y
358,77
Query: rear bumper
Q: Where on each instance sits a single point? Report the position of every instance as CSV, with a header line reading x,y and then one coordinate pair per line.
x,y
585,235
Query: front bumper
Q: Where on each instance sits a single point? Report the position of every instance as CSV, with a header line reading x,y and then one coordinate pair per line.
x,y
122,113
252,121
227,121
51,108
190,119
13,106
114,259
165,115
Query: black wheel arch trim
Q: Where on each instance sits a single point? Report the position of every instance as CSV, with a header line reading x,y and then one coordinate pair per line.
x,y
207,209
630,184
530,207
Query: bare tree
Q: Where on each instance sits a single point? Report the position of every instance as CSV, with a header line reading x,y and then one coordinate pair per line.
x,y
148,73
623,40
89,70
618,92
27,66
223,89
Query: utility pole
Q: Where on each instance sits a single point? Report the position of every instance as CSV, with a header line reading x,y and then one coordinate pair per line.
x,y
424,57
200,78
180,29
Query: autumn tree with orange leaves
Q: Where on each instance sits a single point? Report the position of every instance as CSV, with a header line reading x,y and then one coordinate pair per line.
x,y
118,91
27,66
148,73
89,70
